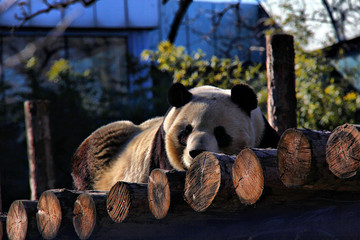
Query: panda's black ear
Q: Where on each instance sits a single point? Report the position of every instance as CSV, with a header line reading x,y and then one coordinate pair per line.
x,y
245,97
178,95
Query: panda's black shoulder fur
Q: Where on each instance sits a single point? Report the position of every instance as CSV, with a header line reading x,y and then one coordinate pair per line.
x,y
270,137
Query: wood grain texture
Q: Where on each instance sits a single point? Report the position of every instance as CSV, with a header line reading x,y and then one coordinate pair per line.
x,y
127,200
343,151
301,156
55,213
248,178
21,220
165,190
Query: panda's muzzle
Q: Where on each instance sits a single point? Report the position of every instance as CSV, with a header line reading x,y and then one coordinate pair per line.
x,y
194,153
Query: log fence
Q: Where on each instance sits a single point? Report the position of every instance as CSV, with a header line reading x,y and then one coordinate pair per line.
x,y
214,182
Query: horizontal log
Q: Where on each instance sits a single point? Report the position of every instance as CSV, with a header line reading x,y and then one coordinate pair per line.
x,y
267,158
301,156
343,151
127,201
302,162
90,213
165,189
212,180
21,220
55,213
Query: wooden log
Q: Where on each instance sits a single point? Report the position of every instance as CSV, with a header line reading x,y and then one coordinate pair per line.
x,y
211,180
55,213
41,170
301,156
280,65
165,189
343,151
90,213
21,220
268,161
302,162
127,200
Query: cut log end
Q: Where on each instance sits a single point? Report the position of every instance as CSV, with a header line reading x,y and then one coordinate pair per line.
x,y
118,202
84,216
17,221
248,178
49,215
159,193
294,158
343,151
202,181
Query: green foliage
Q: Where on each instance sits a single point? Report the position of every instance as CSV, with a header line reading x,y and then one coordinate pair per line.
x,y
196,70
324,101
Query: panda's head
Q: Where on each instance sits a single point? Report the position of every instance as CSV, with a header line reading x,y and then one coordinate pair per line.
x,y
210,119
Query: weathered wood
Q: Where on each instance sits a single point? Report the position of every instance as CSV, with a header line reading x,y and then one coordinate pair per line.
x,y
268,161
343,151
55,213
41,170
165,189
90,213
302,162
21,220
248,177
211,180
301,156
127,200
280,65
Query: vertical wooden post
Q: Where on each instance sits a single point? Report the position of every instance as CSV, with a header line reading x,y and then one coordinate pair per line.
x,y
280,65
41,169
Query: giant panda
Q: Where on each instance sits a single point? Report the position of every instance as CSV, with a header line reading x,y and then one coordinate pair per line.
x,y
204,118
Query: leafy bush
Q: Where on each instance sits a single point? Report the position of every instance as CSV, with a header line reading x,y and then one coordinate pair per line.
x,y
324,101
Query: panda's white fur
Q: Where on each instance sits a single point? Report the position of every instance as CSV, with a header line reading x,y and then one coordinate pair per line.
x,y
210,107
197,121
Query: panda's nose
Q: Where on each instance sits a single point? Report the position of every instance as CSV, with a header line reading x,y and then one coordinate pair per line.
x,y
194,153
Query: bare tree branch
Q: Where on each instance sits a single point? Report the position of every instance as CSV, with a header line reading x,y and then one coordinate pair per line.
x,y
334,23
183,6
25,16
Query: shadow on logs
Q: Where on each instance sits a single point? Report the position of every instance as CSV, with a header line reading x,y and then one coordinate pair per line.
x,y
211,180
127,201
21,220
343,151
165,189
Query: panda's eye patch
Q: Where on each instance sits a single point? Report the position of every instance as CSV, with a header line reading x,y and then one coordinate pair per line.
x,y
184,134
223,139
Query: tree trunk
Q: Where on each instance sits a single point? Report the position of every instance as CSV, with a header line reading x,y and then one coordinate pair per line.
x,y
127,200
90,213
55,213
212,180
343,151
165,189
41,170
21,220
280,65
